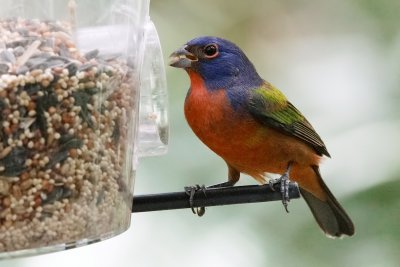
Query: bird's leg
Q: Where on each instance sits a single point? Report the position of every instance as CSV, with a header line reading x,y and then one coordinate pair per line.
x,y
284,181
233,178
221,185
190,191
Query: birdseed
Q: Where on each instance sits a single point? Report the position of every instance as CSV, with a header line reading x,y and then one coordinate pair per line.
x,y
66,122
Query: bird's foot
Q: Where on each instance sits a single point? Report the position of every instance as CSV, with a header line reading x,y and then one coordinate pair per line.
x,y
190,191
272,183
284,181
283,185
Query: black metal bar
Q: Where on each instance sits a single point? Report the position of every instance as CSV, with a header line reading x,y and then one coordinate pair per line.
x,y
212,197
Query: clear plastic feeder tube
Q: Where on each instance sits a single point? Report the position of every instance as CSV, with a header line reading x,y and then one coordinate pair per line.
x,y
70,86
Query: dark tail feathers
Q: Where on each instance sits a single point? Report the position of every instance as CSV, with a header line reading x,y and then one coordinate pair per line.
x,y
329,214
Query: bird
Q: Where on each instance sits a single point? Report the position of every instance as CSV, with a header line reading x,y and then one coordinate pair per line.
x,y
254,128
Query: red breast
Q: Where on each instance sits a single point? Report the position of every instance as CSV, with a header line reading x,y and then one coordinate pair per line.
x,y
213,120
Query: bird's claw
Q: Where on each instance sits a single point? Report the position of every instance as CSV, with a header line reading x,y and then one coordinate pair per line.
x,y
283,183
190,191
284,180
272,182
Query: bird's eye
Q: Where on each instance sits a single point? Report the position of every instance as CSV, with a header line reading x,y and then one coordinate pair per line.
x,y
211,50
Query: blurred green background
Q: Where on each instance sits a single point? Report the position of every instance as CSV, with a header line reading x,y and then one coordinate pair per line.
x,y
339,63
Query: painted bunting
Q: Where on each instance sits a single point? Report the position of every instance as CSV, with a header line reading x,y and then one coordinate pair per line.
x,y
254,128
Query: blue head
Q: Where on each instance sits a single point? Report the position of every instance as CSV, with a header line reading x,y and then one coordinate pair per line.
x,y
221,63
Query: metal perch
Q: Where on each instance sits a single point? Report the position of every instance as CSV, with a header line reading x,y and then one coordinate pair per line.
x,y
212,197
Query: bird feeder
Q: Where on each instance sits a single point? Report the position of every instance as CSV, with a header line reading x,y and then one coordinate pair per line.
x,y
82,97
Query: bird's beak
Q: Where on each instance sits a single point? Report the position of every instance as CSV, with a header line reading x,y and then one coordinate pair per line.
x,y
182,58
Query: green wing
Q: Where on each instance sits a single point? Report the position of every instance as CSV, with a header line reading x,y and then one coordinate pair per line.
x,y
271,108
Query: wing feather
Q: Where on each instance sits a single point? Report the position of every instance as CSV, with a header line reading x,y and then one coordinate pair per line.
x,y
271,108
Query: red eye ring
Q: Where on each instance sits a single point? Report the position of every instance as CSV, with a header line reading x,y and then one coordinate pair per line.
x,y
210,51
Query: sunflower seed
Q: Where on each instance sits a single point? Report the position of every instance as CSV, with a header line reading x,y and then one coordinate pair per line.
x,y
58,193
58,157
7,56
64,51
86,66
91,54
72,68
4,68
18,51
14,162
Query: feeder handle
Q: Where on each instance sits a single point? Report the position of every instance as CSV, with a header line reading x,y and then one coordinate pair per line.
x,y
153,117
